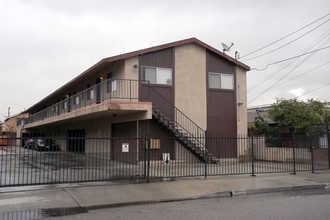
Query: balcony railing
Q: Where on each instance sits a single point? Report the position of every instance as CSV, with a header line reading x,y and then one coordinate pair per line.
x,y
112,89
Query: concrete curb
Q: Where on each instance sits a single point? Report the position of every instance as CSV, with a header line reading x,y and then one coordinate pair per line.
x,y
231,193
219,194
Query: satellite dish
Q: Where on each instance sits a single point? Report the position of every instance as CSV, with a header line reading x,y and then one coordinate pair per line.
x,y
226,47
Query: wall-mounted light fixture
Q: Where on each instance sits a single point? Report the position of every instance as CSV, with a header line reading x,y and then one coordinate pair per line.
x,y
136,67
101,78
67,96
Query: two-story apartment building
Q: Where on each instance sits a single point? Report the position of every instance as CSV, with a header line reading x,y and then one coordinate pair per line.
x,y
177,89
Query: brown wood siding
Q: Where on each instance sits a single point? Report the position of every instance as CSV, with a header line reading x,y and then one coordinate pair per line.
x,y
221,107
121,133
161,58
217,64
221,112
165,59
167,143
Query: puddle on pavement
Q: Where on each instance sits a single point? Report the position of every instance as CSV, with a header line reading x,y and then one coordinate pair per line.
x,y
41,213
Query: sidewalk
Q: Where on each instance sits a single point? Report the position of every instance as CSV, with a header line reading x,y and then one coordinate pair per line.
x,y
112,194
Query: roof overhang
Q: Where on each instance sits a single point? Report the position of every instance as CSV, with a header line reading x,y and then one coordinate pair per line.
x,y
104,62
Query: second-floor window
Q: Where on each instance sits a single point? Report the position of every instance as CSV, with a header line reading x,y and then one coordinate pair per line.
x,y
221,81
157,75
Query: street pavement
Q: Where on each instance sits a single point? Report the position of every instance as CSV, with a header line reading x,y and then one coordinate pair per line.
x,y
97,195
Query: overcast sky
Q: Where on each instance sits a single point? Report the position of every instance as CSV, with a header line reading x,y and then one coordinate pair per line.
x,y
46,43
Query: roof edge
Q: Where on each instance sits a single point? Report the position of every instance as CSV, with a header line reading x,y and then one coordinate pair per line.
x,y
140,52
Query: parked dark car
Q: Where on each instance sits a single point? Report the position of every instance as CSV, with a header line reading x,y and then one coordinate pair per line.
x,y
30,143
41,144
53,145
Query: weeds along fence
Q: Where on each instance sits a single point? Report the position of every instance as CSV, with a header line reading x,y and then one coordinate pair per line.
x,y
49,160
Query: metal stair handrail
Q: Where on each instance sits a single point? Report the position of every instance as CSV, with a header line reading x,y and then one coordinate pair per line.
x,y
179,118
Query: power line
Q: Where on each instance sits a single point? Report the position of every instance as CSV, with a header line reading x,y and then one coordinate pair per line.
x,y
313,90
309,71
301,62
323,36
285,75
287,43
285,36
280,61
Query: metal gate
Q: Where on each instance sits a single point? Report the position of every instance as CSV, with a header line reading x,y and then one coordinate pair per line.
x,y
153,157
319,145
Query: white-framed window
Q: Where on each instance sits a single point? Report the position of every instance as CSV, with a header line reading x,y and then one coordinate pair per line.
x,y
221,81
77,100
112,86
91,94
157,75
111,83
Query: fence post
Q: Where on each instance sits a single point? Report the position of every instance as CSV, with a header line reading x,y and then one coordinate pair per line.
x,y
205,173
293,150
311,147
148,169
328,136
252,154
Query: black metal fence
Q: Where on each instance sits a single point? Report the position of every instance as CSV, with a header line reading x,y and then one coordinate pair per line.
x,y
153,157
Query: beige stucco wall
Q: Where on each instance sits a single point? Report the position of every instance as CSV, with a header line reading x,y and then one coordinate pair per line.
x,y
241,89
183,155
190,82
130,72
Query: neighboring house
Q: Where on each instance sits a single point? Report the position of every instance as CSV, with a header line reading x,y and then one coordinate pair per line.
x,y
11,128
11,125
262,110
255,111
181,88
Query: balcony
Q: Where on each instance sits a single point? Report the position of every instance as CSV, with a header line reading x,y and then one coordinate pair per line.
x,y
113,96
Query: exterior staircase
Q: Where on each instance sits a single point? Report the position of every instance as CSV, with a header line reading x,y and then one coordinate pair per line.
x,y
188,134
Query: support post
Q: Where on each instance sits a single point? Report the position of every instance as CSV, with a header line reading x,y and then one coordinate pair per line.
x,y
148,169
130,90
145,157
149,91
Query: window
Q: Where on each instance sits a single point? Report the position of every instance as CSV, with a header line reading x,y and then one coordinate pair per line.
x,y
111,84
157,75
77,100
221,81
90,92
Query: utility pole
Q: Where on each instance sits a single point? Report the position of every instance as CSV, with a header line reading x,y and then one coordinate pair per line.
x,y
8,112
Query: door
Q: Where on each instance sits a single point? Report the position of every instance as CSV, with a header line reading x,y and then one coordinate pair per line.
x,y
76,140
98,90
319,144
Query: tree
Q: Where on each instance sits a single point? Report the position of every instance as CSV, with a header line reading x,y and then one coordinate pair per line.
x,y
295,113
